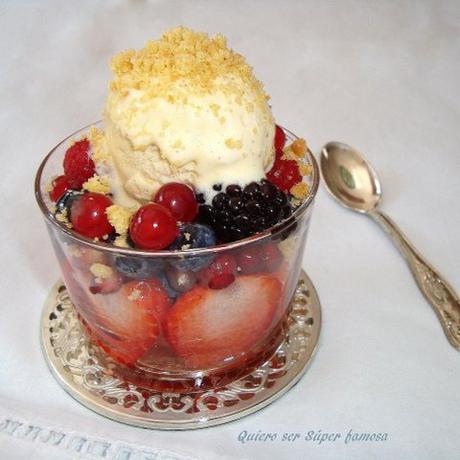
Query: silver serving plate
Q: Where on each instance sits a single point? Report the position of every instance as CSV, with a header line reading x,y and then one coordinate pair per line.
x,y
75,364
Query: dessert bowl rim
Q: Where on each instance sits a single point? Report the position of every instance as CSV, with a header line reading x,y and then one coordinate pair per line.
x,y
260,237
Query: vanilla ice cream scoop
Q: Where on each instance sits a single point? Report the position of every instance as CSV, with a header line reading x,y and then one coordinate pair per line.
x,y
187,109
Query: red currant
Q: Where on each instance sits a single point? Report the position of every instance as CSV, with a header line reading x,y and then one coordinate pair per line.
x,y
78,166
88,216
60,185
271,257
107,285
284,174
249,261
223,265
153,227
280,138
179,199
221,281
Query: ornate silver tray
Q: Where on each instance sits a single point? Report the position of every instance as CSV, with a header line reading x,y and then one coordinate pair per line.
x,y
75,364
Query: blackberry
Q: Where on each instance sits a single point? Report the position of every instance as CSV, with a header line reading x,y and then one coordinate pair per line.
x,y
237,212
233,190
200,198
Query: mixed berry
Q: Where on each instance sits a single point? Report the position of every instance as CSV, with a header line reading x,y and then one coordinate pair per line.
x,y
139,301
237,213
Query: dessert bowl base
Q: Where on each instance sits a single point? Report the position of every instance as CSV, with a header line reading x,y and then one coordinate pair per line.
x,y
75,364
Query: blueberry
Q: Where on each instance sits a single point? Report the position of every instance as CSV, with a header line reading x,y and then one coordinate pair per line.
x,y
138,268
66,200
179,280
172,293
193,236
192,263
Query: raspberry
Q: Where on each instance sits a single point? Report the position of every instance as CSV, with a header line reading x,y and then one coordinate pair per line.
x,y
284,174
78,166
280,138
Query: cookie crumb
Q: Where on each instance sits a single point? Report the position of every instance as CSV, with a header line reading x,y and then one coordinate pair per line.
x,y
233,143
299,147
305,169
119,217
121,241
101,271
300,190
135,294
74,250
97,184
97,140
63,218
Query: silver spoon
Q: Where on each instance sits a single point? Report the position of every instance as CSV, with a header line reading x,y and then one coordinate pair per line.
x,y
354,183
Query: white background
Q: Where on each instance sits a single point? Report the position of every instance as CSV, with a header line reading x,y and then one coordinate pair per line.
x,y
380,75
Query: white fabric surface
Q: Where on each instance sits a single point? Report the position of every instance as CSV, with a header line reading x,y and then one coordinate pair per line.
x,y
382,76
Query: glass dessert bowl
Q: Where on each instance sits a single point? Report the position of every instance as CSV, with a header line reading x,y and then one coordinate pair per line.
x,y
183,319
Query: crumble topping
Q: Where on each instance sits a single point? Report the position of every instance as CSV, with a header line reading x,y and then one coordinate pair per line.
x,y
74,250
135,294
119,218
183,62
101,271
305,169
299,147
300,190
97,184
63,218
97,140
233,143
121,241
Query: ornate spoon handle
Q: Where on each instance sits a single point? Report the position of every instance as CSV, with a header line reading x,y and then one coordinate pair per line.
x,y
434,287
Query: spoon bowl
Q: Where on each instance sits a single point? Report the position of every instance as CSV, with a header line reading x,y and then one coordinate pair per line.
x,y
350,178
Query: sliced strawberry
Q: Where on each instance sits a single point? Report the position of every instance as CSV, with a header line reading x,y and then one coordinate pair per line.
x,y
209,328
129,321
